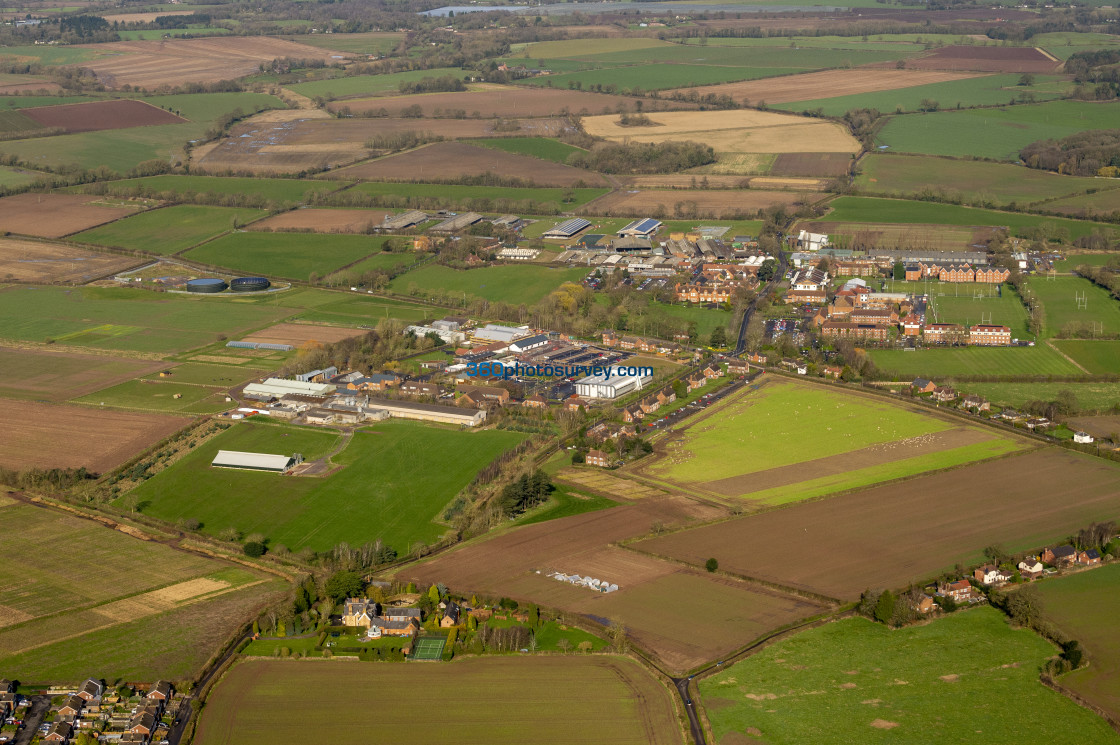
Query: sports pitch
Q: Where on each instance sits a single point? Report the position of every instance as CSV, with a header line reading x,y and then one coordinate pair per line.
x,y
428,649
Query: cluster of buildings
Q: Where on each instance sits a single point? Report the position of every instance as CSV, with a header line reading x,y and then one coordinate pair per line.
x,y
379,621
718,283
591,583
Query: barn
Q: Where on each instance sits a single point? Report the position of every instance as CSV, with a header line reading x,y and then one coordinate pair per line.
x,y
252,461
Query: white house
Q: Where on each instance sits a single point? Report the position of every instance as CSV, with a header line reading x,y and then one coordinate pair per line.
x,y
1082,437
812,241
617,381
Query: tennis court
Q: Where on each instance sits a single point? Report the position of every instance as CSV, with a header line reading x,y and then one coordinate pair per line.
x,y
429,648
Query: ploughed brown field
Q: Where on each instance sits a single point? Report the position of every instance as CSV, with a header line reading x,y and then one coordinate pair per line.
x,y
150,64
811,164
143,17
828,84
46,263
322,220
37,435
908,532
301,333
701,203
14,89
55,215
507,101
1098,426
649,600
452,160
98,115
984,59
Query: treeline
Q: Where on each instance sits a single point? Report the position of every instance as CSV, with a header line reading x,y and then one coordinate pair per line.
x,y
1096,72
1107,276
1095,152
476,204
444,83
644,157
57,479
366,353
392,142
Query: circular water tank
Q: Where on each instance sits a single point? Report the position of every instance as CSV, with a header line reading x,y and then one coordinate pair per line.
x,y
206,284
249,284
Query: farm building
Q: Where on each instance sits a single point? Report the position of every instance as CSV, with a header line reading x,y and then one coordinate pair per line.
x,y
568,228
277,387
532,342
430,412
409,219
612,384
457,222
811,241
252,461
643,228
497,332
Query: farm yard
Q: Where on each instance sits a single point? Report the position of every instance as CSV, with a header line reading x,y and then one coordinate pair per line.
x,y
878,684
840,546
55,263
42,375
56,215
497,700
39,435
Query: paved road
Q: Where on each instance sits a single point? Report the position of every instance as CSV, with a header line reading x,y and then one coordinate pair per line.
x,y
779,275
693,719
40,705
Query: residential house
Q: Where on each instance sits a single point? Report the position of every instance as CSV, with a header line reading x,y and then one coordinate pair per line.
x,y
992,274
666,396
161,691
1060,556
797,366
599,432
575,403
633,413
756,358
989,574
1082,438
536,401
450,616
91,690
610,339
943,394
738,367
598,458
921,385
144,724
71,709
957,273
59,732
986,335
628,342
402,614
1089,558
380,627
713,371
694,381
485,394
806,297
960,591
974,402
1030,568
926,604
833,371
649,404
873,315
359,612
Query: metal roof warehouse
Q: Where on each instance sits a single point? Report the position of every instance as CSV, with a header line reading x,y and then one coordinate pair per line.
x,y
568,228
252,461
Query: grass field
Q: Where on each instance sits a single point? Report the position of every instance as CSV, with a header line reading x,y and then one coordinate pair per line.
x,y
170,230
10,177
506,283
1084,606
51,376
655,76
357,310
291,255
399,506
1097,356
855,681
1090,396
1089,205
126,319
276,190
968,305
1064,313
173,608
565,503
152,395
368,85
495,700
948,363
871,210
198,373
538,147
994,133
971,180
479,196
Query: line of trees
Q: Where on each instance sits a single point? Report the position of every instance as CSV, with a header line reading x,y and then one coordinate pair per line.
x,y
643,157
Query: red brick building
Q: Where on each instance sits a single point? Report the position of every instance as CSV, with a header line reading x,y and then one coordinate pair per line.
x,y
851,330
989,336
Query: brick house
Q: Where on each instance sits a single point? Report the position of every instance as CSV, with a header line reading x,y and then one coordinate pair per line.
x,y
536,401
161,691
144,724
975,402
91,690
450,616
833,371
632,413
738,367
694,381
992,274
873,315
850,330
666,396
989,574
944,394
960,591
649,404
597,458
913,272
59,732
943,333
1089,558
359,612
713,371
486,394
1060,556
989,336
610,339
575,403
71,709
957,273
926,605
755,358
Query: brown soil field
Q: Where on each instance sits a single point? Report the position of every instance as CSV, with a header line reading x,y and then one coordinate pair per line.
x,y
48,263
909,236
143,17
55,215
301,333
736,131
827,84
322,220
57,376
908,532
150,64
37,435
812,164
708,203
507,101
983,59
1098,426
451,160
98,115
14,89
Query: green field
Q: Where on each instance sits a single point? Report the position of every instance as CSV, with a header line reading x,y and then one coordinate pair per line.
x,y
276,190
14,177
995,133
482,198
1100,203
157,395
538,147
508,283
200,373
100,624
654,76
1074,260
368,85
358,310
170,230
127,319
375,42
966,361
980,91
493,700
398,500
12,122
1084,606
955,303
290,255
378,262
565,503
1099,357
1090,396
972,181
855,681
1065,313
869,209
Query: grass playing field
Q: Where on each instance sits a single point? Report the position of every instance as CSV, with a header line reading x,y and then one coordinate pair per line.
x,y
505,283
960,361
968,305
1097,356
398,499
1074,303
170,230
855,681
496,700
292,255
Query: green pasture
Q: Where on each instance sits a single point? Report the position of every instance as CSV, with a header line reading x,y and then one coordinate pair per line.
x,y
804,58
16,177
279,190
482,198
538,147
199,373
355,310
378,262
1104,202
995,133
156,34
565,503
50,54
1072,260
291,255
1090,396
157,395
966,361
1099,357
857,681
507,283
1073,303
27,102
14,121
368,85
171,229
372,42
380,491
656,76
1063,44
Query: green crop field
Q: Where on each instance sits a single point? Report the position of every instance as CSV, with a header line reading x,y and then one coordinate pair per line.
x,y
398,499
508,283
127,319
655,77
980,91
1084,606
291,255
170,230
153,395
373,42
870,209
995,133
855,681
276,190
971,180
1065,312
27,102
199,373
117,618
1090,396
1099,357
368,85
479,196
968,305
10,177
358,310
1100,203
495,700
12,122
378,262
538,147
964,361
